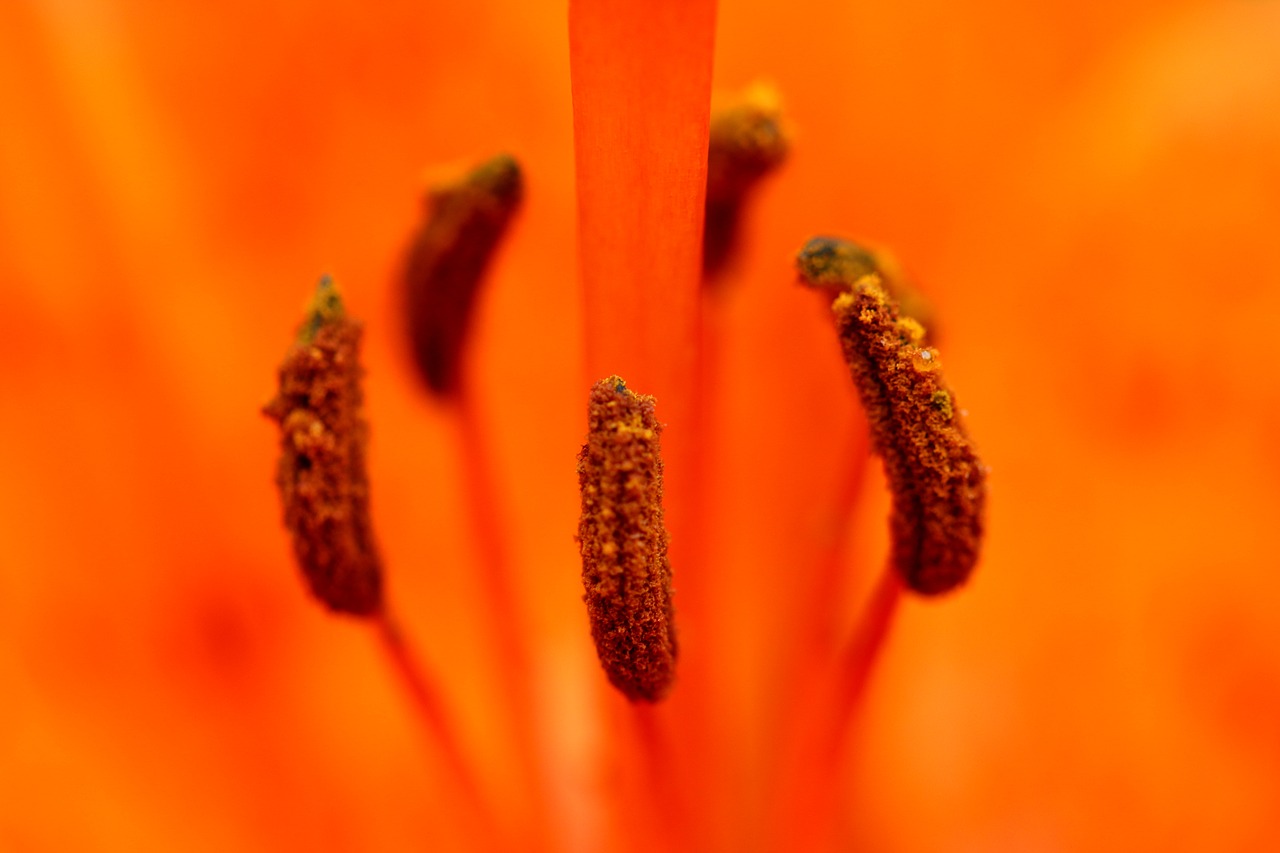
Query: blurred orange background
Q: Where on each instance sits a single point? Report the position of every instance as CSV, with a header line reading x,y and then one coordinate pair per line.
x,y
1089,193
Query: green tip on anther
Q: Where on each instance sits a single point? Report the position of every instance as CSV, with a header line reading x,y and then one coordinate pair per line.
x,y
832,262
324,307
498,175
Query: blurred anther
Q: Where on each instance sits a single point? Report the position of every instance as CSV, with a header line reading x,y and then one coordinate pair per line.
x,y
466,216
321,473
747,142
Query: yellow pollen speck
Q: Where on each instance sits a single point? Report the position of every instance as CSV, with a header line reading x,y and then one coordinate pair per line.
x,y
912,331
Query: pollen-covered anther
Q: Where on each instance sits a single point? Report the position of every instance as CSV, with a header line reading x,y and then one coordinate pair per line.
x,y
321,473
466,216
748,140
833,263
938,484
623,540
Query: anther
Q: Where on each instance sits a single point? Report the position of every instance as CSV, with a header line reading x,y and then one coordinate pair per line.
x,y
747,142
937,482
465,219
836,264
625,571
321,473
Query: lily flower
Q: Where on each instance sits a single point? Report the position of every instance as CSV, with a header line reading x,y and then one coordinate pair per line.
x,y
1087,196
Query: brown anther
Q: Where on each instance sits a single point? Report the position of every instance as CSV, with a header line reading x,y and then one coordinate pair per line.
x,y
937,482
623,540
836,264
747,142
466,217
323,484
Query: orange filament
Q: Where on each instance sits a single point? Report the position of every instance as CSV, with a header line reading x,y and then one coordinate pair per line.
x,y
420,687
810,781
508,623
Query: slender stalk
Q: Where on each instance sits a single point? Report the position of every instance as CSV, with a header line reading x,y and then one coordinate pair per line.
x,y
498,590
669,820
863,651
829,586
812,649
417,682
810,782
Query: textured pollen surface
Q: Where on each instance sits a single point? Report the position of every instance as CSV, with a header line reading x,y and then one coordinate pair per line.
x,y
321,473
835,263
938,483
625,571
465,221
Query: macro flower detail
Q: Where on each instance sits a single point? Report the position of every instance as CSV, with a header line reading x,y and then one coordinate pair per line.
x,y
176,177
465,218
623,540
835,264
321,474
747,141
938,483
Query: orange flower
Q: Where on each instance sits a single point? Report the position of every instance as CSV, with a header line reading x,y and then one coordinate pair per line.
x,y
1088,195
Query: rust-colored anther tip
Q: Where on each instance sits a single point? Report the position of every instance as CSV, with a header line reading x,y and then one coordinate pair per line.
x,y
321,474
748,140
831,263
937,482
625,570
466,217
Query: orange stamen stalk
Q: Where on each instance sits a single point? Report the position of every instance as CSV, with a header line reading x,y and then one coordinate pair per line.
x,y
420,687
815,645
863,651
810,785
669,816
828,593
854,670
498,589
